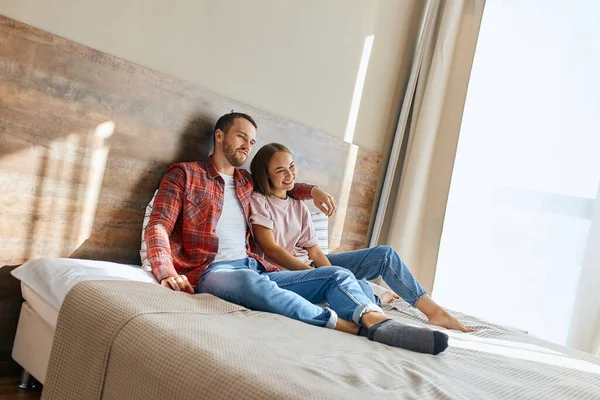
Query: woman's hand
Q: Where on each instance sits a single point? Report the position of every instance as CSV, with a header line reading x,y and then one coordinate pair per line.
x,y
324,201
275,253
317,256
178,283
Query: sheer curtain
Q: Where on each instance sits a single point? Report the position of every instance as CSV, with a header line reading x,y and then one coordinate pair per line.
x,y
413,201
520,238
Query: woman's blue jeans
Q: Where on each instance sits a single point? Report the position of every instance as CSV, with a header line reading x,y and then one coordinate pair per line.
x,y
289,293
381,261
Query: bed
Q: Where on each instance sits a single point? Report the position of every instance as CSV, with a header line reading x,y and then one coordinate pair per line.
x,y
118,334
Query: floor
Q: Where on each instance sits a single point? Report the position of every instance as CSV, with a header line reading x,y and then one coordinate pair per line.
x,y
10,391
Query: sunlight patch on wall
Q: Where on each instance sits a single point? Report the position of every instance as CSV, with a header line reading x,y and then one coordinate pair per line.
x,y
337,229
99,154
337,226
358,89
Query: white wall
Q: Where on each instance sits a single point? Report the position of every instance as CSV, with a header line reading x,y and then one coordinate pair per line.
x,y
295,59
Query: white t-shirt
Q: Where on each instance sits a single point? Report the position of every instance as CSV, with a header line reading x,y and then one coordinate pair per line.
x,y
231,228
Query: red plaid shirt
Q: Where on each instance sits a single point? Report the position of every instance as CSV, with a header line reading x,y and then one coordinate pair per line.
x,y
180,235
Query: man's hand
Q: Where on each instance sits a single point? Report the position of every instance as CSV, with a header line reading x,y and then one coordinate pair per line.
x,y
324,201
178,283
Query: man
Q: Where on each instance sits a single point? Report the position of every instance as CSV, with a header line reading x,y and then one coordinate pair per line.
x,y
198,240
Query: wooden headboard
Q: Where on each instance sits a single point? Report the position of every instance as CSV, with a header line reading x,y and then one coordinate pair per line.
x,y
72,186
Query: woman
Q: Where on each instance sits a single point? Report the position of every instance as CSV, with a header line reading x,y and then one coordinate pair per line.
x,y
276,212
283,229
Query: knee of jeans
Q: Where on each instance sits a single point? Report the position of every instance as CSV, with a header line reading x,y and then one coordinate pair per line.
x,y
387,249
389,252
245,280
342,274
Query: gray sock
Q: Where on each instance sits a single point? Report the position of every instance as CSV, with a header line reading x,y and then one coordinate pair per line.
x,y
362,331
421,340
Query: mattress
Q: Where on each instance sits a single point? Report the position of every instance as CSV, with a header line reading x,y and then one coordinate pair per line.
x,y
44,310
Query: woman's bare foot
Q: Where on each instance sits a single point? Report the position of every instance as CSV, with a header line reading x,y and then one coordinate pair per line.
x,y
388,296
444,319
438,316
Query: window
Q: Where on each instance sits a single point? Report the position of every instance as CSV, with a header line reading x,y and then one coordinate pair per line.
x,y
527,167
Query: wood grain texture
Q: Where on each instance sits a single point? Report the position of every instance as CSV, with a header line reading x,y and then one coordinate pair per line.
x,y
69,192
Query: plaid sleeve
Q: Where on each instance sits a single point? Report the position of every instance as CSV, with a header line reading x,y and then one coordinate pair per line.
x,y
167,206
302,191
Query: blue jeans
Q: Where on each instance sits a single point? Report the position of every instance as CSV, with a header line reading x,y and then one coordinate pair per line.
x,y
382,261
289,293
369,291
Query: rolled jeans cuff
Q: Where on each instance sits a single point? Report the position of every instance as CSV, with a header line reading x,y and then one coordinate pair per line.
x,y
419,296
333,318
360,310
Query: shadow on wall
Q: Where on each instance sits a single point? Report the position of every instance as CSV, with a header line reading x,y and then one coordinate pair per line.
x,y
116,232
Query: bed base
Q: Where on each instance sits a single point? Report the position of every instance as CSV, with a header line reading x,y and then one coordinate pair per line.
x,y
31,350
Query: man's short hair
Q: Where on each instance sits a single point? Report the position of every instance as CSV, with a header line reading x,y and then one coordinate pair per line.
x,y
224,123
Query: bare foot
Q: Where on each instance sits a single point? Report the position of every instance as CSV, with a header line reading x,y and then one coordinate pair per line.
x,y
443,319
388,296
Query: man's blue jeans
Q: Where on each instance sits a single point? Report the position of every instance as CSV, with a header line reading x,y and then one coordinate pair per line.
x,y
381,261
289,293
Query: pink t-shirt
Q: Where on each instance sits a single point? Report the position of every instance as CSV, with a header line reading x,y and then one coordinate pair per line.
x,y
289,220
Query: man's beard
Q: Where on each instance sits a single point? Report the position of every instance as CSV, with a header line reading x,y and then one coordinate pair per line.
x,y
231,154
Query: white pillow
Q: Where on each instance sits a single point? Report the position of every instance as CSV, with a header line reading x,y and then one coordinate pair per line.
x,y
143,248
321,225
52,278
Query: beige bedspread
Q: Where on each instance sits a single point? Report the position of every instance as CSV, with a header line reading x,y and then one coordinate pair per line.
x,y
132,340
